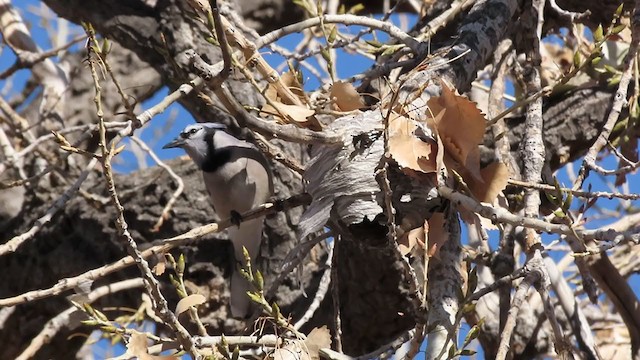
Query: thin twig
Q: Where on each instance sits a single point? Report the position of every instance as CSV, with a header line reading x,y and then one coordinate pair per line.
x,y
24,62
558,337
152,285
444,18
176,178
323,287
264,340
285,132
518,299
504,216
53,326
619,100
335,297
503,281
385,26
275,153
578,193
293,259
15,242
390,347
571,16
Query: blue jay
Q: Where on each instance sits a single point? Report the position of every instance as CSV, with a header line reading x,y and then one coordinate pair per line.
x,y
238,178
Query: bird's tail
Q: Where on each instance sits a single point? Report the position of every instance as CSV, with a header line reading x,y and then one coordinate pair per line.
x,y
249,235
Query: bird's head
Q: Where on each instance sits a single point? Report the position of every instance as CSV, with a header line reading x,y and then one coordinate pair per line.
x,y
195,139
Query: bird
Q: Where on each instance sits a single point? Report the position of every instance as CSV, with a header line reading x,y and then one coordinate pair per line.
x,y
238,178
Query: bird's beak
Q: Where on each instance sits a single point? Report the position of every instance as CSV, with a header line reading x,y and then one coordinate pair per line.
x,y
177,142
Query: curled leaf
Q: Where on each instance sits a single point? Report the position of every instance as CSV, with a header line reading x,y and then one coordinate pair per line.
x,y
187,302
494,179
412,238
461,128
160,267
408,149
137,348
346,97
317,339
291,113
437,235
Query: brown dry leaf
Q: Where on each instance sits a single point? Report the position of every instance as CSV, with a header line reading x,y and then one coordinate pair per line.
x,y
186,303
346,96
317,339
291,81
556,61
293,113
200,6
495,177
613,341
629,151
437,234
137,348
413,237
461,128
160,267
296,113
409,151
469,217
431,122
294,350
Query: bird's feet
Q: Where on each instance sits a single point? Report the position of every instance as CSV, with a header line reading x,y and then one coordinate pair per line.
x,y
235,218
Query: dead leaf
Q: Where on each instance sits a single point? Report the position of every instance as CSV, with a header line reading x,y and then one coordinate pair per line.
x,y
346,96
292,351
137,348
200,6
292,113
291,81
461,128
431,122
556,61
437,234
160,267
317,339
407,149
629,150
412,238
495,177
138,344
187,302
292,109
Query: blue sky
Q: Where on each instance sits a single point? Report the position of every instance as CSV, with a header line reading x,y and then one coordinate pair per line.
x,y
349,65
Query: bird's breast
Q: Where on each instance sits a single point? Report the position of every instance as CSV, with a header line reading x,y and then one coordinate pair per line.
x,y
237,186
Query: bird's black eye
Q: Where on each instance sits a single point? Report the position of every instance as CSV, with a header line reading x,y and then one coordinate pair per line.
x,y
193,131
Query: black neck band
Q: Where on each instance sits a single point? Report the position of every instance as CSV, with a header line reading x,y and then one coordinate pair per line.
x,y
216,158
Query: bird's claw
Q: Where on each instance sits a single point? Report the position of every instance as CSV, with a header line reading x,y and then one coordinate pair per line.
x,y
235,218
